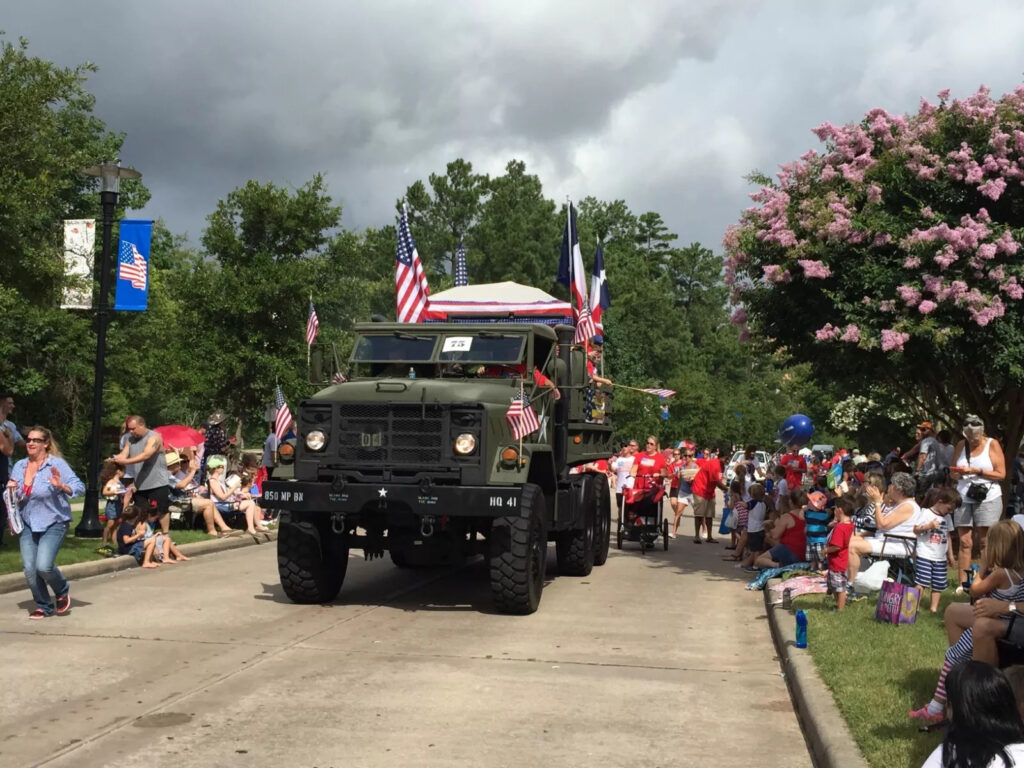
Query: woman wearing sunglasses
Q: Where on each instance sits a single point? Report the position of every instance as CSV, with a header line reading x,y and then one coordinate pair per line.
x,y
44,485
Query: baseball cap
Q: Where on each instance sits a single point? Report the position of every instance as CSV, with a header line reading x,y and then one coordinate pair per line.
x,y
925,425
817,499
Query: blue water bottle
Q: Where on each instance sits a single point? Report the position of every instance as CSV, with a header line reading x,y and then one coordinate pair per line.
x,y
801,629
412,372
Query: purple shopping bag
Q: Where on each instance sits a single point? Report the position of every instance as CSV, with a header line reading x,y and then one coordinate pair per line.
x,y
897,603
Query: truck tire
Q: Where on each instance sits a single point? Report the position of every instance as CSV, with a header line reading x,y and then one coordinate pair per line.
x,y
575,547
603,521
518,555
311,563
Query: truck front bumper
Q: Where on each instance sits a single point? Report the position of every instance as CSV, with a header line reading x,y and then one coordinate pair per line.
x,y
450,500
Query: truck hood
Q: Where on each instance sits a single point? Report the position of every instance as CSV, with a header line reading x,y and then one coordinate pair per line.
x,y
400,390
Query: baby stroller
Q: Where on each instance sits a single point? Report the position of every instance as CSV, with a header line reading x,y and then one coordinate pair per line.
x,y
641,518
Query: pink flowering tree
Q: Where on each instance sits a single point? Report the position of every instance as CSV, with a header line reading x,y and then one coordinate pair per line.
x,y
893,257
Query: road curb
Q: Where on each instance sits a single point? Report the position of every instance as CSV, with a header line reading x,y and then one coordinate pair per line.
x,y
828,737
14,582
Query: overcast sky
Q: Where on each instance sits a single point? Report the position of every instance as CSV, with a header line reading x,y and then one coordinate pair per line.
x,y
664,104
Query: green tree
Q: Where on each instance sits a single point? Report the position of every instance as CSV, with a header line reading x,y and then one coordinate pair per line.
x,y
517,235
893,257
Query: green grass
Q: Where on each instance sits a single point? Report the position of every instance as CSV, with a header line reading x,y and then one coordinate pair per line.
x,y
75,550
877,673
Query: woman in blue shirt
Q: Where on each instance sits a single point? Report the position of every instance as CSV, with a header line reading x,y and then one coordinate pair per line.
x,y
45,485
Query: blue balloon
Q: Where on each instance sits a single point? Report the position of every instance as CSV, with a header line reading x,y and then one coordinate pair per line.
x,y
796,430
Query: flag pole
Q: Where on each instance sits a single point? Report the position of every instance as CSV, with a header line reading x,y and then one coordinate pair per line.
x,y
597,246
522,404
309,345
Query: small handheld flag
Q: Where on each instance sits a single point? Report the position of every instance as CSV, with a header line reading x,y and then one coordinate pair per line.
x,y
521,417
659,392
283,420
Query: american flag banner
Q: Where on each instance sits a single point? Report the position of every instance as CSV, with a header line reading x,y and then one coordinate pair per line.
x,y
659,392
283,419
412,294
131,265
521,417
312,325
338,378
461,273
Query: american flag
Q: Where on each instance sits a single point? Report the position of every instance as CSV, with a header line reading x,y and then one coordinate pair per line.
x,y
312,325
338,378
283,420
585,328
461,273
131,265
411,290
521,417
659,392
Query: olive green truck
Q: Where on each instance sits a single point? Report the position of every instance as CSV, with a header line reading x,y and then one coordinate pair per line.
x,y
415,455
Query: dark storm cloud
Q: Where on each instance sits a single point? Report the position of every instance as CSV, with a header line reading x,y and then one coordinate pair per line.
x,y
666,105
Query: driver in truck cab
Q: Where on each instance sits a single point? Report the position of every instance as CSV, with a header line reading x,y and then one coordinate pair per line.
x,y
513,370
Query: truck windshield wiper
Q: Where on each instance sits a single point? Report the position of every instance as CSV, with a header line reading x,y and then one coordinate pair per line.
x,y
493,335
411,337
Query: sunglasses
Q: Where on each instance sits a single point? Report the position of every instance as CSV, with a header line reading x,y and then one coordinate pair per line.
x,y
35,439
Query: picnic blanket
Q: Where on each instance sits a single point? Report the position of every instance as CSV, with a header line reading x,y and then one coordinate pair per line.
x,y
771,573
805,584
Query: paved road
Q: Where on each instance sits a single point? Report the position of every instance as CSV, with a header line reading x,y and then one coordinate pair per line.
x,y
656,660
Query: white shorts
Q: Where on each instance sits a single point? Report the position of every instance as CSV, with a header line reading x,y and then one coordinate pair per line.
x,y
891,547
686,498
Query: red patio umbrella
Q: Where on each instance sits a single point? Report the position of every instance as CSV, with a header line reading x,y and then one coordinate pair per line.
x,y
180,436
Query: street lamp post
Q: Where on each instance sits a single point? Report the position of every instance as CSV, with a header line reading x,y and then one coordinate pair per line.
x,y
110,175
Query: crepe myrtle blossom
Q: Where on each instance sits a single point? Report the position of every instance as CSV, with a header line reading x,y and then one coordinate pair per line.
x,y
814,269
901,195
893,340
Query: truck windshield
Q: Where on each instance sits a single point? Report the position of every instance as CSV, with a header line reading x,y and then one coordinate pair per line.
x,y
395,347
482,348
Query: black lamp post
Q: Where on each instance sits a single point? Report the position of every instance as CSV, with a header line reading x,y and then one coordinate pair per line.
x,y
110,175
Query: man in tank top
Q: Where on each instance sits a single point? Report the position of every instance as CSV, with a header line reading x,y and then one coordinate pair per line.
x,y
144,449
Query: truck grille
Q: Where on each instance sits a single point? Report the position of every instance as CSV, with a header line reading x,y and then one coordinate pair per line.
x,y
391,435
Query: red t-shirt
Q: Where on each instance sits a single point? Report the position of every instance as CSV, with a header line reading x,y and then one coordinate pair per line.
x,y
840,537
649,465
672,467
520,369
796,467
707,479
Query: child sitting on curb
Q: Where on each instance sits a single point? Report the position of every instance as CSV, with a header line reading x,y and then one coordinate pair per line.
x,y
164,549
132,540
837,550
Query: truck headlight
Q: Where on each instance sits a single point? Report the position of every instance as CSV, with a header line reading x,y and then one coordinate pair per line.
x,y
316,440
465,444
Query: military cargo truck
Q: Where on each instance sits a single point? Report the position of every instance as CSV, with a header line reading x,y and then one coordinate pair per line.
x,y
414,456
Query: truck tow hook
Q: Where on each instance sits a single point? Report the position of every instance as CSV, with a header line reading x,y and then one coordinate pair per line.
x,y
427,526
338,522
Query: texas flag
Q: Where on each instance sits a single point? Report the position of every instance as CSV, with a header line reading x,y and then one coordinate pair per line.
x,y
600,299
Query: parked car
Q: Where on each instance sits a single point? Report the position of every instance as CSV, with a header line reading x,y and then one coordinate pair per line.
x,y
762,461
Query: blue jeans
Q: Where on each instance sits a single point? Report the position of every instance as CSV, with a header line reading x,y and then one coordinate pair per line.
x,y
38,552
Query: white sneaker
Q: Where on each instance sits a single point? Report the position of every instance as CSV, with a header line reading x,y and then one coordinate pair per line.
x,y
671,535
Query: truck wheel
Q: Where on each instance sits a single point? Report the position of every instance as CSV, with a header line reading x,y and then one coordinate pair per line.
x,y
310,562
518,555
575,547
603,521
399,558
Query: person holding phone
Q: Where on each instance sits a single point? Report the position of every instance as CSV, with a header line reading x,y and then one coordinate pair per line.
x,y
44,485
